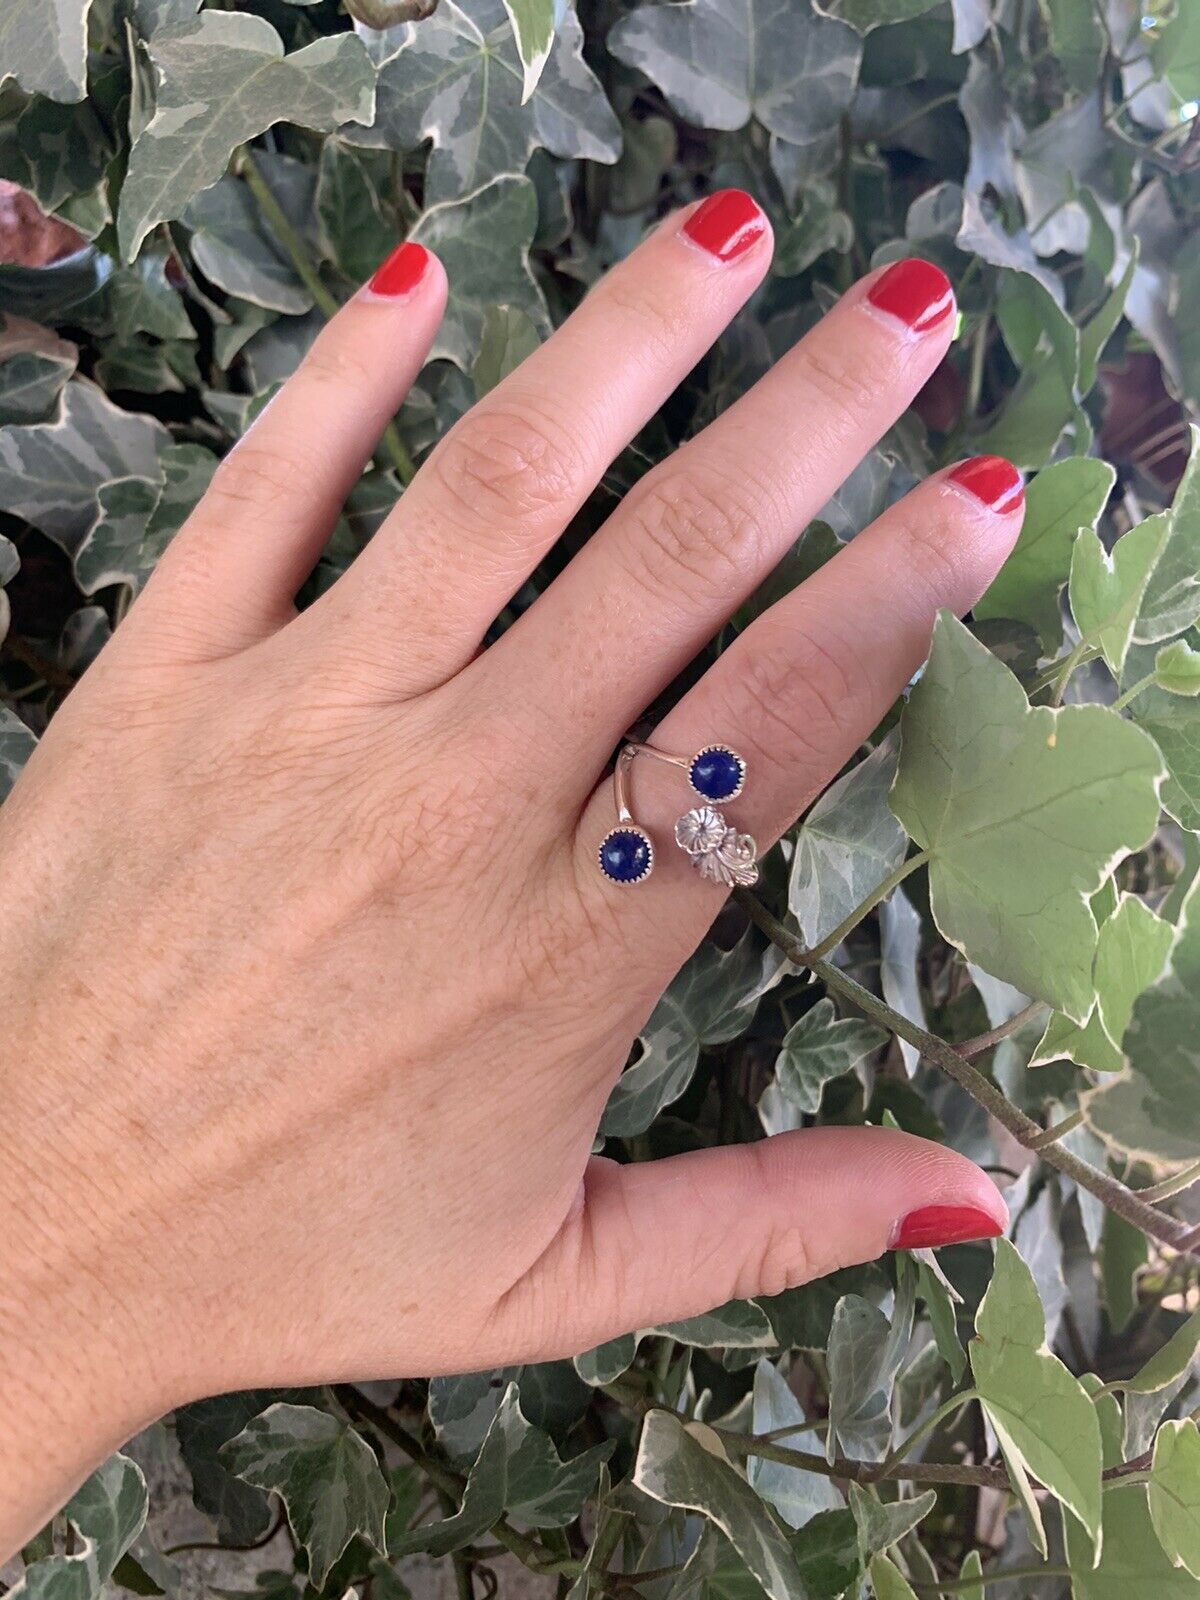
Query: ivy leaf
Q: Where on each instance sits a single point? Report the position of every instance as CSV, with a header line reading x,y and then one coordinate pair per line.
x,y
1173,1493
357,233
819,1048
46,54
1170,1361
1132,1561
883,1523
324,1472
222,79
483,242
1170,720
456,79
518,1470
704,1005
533,27
1176,52
34,366
864,1354
1106,591
461,1408
108,1512
1023,812
136,519
899,978
50,472
242,1513
1177,669
798,1496
847,845
888,1582
1153,1109
234,249
936,1291
1172,599
1059,501
721,62
1130,952
1043,1417
676,1469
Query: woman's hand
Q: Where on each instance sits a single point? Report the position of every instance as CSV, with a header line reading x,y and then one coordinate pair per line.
x,y
313,991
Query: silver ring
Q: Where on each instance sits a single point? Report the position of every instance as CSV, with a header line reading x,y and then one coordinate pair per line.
x,y
715,848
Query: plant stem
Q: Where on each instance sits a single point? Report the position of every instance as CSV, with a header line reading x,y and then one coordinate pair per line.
x,y
878,893
1055,669
1123,700
1169,1186
1156,1224
1067,667
1010,1575
924,1429
864,1472
985,1041
1054,1133
294,248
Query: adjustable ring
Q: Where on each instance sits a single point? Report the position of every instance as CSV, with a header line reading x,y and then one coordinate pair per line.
x,y
715,848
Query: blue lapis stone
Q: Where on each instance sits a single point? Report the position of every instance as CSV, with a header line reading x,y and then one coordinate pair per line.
x,y
717,774
626,855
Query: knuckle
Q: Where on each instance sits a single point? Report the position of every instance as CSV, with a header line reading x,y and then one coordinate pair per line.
x,y
503,463
331,363
795,698
927,553
656,326
696,526
779,1258
837,370
254,475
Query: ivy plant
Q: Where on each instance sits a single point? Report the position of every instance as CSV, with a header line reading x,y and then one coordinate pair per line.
x,y
986,931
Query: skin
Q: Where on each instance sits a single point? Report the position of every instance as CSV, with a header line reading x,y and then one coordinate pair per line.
x,y
313,993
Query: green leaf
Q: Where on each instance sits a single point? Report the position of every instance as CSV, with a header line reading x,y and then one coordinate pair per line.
x,y
136,519
848,843
721,62
508,337
34,366
819,1048
1171,720
1106,591
676,1469
45,51
1023,813
864,1355
863,15
705,1005
1043,1417
1176,51
1132,1562
456,79
1177,668
1173,1493
888,1582
1153,1109
108,1512
1076,39
518,1470
1123,1253
233,247
357,234
461,1409
222,79
1170,1361
1131,949
1172,600
972,1567
242,1513
798,1496
883,1523
1058,502
324,1472
943,1319
50,472
533,28
483,242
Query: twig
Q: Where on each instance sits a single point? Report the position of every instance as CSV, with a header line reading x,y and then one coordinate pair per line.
x,y
1169,1186
1157,1224
207,1544
1009,1575
984,1041
29,656
293,247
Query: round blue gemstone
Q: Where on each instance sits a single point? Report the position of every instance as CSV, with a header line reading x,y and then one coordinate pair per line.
x,y
717,774
625,855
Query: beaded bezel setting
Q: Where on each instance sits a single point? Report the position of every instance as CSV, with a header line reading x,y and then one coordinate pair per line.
x,y
717,773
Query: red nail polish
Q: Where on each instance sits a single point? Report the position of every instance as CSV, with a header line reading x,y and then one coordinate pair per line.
x,y
930,1226
991,479
916,292
402,271
726,225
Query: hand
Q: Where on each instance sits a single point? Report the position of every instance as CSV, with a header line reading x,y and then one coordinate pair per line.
x,y
313,990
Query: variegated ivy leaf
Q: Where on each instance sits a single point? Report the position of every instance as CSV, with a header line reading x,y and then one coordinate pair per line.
x,y
234,248
1023,812
222,79
882,1524
865,1352
1107,589
107,1512
43,45
483,242
1132,1560
821,1047
325,1473
1174,1493
1172,600
34,366
533,27
50,472
456,79
798,1496
17,744
721,62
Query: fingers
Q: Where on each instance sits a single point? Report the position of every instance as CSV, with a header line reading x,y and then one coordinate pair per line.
x,y
274,499
657,1241
799,690
502,485
697,535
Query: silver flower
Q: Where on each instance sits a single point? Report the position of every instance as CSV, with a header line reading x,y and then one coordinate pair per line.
x,y
718,851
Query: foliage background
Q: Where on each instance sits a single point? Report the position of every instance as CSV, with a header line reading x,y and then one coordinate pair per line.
x,y
1031,993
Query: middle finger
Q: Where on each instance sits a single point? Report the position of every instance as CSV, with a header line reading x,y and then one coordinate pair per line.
x,y
700,532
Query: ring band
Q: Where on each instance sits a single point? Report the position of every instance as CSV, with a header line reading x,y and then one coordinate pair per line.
x,y
715,848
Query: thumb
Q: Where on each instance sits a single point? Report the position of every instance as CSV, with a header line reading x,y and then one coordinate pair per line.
x,y
663,1240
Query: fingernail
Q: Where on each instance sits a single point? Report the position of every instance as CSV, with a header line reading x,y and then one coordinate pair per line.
x,y
916,293
992,480
401,272
726,225
930,1226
